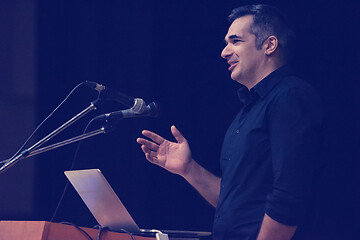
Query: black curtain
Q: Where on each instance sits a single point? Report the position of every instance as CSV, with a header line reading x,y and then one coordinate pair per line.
x,y
169,51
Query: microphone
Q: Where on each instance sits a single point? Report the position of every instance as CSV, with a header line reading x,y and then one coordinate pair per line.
x,y
138,105
151,110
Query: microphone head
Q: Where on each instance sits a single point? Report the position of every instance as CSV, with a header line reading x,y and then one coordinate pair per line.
x,y
139,106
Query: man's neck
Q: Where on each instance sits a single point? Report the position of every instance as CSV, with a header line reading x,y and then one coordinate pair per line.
x,y
266,69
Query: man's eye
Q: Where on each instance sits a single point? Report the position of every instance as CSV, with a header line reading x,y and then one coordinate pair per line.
x,y
237,41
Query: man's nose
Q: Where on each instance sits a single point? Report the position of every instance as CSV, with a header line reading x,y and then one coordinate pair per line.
x,y
226,52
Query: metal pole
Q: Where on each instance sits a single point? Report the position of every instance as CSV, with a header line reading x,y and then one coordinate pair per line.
x,y
24,154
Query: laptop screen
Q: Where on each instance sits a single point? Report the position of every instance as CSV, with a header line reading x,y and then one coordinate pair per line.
x,y
107,208
101,200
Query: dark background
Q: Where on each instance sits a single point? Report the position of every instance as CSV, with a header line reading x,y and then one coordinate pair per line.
x,y
169,52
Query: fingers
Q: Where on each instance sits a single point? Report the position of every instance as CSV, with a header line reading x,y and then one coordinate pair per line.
x,y
178,136
145,149
158,139
150,155
150,145
150,148
153,136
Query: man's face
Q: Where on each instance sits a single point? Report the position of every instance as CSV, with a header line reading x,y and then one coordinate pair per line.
x,y
240,52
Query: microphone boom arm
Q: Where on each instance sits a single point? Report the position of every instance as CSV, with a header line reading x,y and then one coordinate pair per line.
x,y
27,152
68,141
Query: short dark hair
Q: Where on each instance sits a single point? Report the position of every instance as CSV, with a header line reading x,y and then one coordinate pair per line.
x,y
267,21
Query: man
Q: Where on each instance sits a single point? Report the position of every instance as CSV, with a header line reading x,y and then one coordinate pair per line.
x,y
270,151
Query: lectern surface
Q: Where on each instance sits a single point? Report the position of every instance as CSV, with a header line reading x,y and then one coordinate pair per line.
x,y
42,230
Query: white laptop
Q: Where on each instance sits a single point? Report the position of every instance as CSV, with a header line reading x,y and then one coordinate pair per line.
x,y
107,208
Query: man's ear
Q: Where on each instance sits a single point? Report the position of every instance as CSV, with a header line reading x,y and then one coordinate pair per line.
x,y
270,45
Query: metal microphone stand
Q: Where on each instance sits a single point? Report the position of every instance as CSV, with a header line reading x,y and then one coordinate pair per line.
x,y
34,150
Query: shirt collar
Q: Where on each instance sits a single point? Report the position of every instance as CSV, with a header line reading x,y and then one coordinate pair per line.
x,y
264,86
243,94
270,81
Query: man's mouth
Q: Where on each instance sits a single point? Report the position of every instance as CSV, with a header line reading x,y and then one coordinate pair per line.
x,y
232,65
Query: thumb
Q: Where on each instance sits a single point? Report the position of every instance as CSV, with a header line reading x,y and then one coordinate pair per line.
x,y
178,136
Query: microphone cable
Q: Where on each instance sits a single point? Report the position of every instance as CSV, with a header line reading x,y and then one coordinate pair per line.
x,y
100,228
78,228
71,168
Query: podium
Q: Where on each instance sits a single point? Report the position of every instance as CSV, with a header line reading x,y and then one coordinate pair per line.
x,y
42,230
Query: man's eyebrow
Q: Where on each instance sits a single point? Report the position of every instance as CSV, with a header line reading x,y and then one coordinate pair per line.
x,y
232,37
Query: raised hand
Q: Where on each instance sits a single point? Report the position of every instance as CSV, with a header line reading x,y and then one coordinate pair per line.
x,y
172,156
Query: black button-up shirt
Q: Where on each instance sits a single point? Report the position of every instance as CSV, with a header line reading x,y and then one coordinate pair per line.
x,y
269,156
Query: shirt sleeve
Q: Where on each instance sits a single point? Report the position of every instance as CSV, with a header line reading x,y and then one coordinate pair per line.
x,y
295,130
